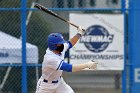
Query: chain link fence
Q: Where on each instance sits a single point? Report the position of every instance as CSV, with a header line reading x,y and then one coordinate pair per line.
x,y
39,25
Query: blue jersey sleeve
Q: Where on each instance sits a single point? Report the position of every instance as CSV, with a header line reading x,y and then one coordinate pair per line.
x,y
70,44
65,66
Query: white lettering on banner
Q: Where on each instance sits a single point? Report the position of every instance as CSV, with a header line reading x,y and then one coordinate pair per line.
x,y
92,38
137,75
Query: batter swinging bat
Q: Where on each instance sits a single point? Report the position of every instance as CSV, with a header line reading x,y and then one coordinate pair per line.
x,y
54,14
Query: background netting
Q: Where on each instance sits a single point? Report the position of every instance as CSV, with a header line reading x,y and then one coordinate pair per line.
x,y
39,25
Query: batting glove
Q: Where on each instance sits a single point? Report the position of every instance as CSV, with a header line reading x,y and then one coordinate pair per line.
x,y
92,64
81,30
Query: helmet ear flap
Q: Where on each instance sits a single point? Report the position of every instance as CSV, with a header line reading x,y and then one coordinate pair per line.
x,y
52,46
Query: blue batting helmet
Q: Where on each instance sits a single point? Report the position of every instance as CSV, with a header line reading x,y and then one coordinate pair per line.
x,y
54,39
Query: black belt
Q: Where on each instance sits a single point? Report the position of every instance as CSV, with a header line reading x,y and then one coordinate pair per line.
x,y
51,82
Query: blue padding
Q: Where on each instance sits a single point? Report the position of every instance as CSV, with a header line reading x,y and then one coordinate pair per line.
x,y
70,44
66,67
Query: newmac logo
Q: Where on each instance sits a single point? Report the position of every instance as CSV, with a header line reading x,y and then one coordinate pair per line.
x,y
97,38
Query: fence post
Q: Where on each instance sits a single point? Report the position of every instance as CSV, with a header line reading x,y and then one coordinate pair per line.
x,y
124,82
23,31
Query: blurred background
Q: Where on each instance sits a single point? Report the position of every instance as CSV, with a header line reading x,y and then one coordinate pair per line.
x,y
38,26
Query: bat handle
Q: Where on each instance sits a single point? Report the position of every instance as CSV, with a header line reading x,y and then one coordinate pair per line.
x,y
76,26
83,29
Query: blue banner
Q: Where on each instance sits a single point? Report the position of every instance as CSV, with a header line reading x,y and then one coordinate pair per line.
x,y
134,45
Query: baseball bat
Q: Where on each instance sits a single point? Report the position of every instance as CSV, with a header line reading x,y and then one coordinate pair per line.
x,y
40,7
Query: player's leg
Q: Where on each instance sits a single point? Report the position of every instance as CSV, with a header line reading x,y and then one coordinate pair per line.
x,y
43,87
64,88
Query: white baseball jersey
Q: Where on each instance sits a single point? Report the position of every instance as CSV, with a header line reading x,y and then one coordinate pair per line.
x,y
52,63
51,71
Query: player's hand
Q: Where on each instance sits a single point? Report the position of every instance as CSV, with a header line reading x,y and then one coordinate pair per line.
x,y
81,30
92,64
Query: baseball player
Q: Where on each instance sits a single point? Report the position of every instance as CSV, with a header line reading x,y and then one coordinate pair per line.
x,y
53,64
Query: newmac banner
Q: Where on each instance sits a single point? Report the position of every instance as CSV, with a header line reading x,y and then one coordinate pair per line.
x,y
102,42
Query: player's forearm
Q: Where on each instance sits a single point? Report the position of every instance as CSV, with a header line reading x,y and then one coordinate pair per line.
x,y
75,39
78,67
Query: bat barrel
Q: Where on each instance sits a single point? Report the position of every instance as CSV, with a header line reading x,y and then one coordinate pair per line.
x,y
54,14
